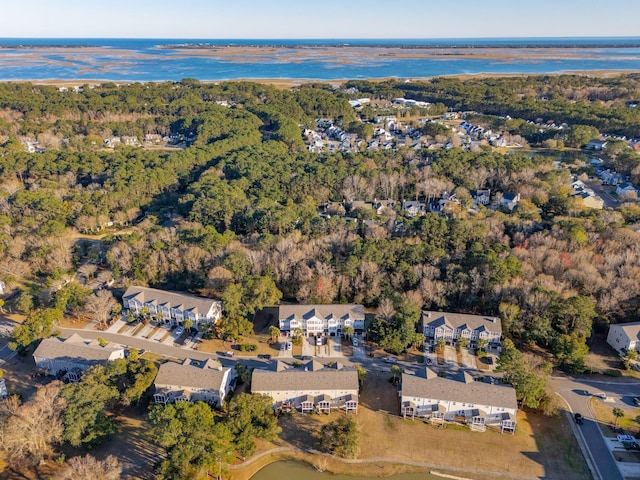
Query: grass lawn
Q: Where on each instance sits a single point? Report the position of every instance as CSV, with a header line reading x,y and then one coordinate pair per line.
x,y
75,322
603,412
481,364
541,447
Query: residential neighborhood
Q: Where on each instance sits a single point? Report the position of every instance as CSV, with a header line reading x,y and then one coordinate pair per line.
x,y
458,397
172,307
309,387
194,380
71,356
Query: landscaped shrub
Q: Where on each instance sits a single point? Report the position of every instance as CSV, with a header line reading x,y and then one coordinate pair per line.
x,y
247,347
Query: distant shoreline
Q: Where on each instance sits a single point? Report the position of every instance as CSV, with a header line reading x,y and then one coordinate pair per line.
x,y
294,82
298,62
215,46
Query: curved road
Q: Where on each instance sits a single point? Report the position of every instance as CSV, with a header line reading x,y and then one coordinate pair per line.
x,y
577,393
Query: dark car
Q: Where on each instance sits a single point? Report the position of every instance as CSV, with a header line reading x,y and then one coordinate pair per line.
x,y
266,356
578,418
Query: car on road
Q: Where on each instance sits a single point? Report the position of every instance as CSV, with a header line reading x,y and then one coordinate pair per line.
x,y
228,353
600,395
289,345
179,331
355,342
266,356
390,360
578,418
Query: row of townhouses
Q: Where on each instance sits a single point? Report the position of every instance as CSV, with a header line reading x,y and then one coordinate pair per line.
x,y
172,307
310,387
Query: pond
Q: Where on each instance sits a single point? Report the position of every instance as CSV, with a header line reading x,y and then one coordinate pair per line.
x,y
286,470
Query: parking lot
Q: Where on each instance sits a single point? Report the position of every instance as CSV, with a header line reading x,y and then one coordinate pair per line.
x,y
161,333
330,347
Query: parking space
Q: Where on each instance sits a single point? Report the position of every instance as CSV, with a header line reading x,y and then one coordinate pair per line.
x,y
467,359
450,356
308,347
284,352
359,352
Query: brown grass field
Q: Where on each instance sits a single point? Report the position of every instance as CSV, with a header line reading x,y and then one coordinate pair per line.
x,y
541,447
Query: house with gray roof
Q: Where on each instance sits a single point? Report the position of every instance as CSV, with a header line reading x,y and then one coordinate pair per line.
x,y
320,319
414,208
624,337
313,386
74,355
172,307
194,380
456,398
452,326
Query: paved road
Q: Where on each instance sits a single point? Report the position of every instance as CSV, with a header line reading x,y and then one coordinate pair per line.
x,y
577,393
572,390
610,201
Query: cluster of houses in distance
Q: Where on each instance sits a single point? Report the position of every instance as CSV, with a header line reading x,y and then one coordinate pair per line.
x,y
308,387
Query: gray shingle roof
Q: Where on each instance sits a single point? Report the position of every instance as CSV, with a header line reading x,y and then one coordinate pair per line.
x,y
631,330
77,348
459,389
301,312
306,378
186,302
192,373
456,320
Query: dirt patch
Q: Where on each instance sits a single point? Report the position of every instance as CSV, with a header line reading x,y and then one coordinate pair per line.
x,y
124,328
601,356
138,329
378,393
155,330
131,447
18,376
73,322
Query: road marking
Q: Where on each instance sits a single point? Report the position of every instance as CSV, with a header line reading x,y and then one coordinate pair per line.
x,y
588,456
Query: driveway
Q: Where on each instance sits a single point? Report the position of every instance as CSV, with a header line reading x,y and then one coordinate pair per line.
x,y
603,191
450,356
467,359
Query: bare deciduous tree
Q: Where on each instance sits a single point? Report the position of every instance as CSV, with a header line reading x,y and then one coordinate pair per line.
x,y
100,305
88,468
30,430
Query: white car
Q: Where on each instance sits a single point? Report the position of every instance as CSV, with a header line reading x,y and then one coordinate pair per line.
x,y
289,345
355,342
390,360
179,331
